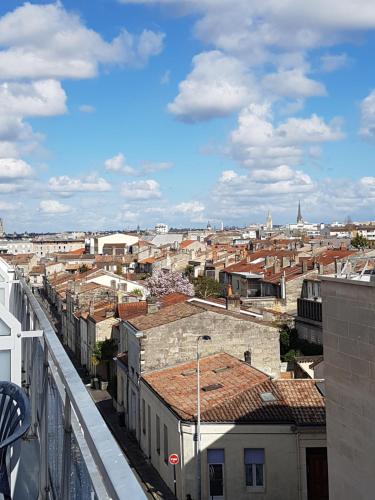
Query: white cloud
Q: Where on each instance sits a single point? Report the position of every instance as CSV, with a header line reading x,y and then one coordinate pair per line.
x,y
11,168
217,86
65,185
189,207
258,143
166,77
333,62
118,164
8,207
148,167
46,41
141,190
250,25
367,129
293,83
86,108
39,98
53,207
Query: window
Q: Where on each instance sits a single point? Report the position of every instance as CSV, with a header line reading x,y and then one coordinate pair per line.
x,y
254,467
215,460
166,444
158,434
143,416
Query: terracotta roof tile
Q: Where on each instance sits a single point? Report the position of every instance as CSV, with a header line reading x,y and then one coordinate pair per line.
x,y
186,243
129,310
240,394
165,315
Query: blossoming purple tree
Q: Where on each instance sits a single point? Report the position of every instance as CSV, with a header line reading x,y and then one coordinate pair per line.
x,y
164,283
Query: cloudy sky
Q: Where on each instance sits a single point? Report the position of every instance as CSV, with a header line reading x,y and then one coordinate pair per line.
x,y
115,113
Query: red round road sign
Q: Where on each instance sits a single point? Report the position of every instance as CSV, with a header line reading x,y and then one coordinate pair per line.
x,y
174,459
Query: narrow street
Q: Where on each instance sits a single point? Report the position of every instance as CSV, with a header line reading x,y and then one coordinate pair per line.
x,y
152,483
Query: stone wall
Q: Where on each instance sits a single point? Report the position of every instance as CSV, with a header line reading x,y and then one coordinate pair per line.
x,y
349,364
176,342
293,291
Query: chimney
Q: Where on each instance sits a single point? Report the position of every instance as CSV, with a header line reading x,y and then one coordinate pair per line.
x,y
285,262
247,357
283,286
152,305
91,309
321,268
338,266
233,303
276,266
304,266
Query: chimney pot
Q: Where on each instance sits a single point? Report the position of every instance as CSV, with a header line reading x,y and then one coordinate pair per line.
x,y
233,303
152,305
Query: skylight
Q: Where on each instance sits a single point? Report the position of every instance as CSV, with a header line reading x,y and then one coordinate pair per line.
x,y
212,387
268,397
220,369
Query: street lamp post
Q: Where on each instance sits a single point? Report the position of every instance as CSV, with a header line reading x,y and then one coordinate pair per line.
x,y
199,481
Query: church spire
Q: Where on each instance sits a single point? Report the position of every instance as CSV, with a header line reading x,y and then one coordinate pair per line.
x,y
299,214
269,224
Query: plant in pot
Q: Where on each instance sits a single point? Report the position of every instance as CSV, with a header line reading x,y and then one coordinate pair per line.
x,y
103,353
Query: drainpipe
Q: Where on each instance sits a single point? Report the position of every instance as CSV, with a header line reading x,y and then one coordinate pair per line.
x,y
182,462
298,462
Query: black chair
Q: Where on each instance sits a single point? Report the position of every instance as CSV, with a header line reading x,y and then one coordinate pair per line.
x,y
15,420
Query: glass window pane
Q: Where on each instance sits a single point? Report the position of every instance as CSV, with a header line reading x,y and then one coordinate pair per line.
x,y
259,474
2,296
216,480
4,329
5,365
249,475
215,456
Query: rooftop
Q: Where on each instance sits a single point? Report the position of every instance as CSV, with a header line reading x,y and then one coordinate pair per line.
x,y
234,391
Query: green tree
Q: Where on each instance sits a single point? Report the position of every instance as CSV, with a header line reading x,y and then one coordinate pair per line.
x,y
103,352
206,287
359,242
292,346
189,272
137,292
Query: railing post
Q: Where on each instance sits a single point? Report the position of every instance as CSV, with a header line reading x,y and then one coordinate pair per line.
x,y
44,476
67,451
34,389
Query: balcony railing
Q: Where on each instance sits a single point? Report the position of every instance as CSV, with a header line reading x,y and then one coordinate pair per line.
x,y
78,456
309,309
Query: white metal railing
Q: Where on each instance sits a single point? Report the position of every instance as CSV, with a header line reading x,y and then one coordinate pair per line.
x,y
79,457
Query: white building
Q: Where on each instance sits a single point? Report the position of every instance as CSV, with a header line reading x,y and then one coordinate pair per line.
x,y
161,228
255,440
97,242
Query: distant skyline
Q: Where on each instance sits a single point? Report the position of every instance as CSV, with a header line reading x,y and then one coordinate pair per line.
x,y
115,113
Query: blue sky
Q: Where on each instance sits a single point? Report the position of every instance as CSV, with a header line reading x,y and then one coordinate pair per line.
x,y
115,113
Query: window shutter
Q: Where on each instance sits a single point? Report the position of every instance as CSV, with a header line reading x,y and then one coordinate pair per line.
x,y
215,456
254,455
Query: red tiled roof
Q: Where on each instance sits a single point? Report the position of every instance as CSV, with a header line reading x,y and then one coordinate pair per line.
x,y
165,315
78,251
237,397
129,310
186,243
